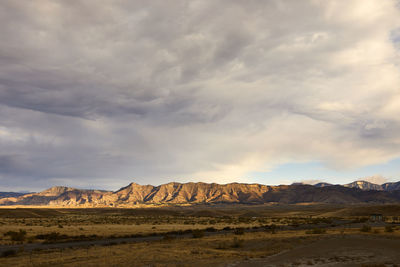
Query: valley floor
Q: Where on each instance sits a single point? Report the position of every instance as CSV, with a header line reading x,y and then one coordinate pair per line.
x,y
250,249
344,251
202,236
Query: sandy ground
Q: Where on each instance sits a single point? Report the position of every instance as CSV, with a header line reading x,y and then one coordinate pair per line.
x,y
346,251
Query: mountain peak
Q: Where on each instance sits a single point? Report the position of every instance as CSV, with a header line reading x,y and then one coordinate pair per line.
x,y
364,185
322,184
56,190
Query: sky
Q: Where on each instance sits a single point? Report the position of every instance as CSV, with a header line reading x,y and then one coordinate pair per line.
x,y
98,94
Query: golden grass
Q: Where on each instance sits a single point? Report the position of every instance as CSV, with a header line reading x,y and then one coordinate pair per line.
x,y
105,230
216,250
182,252
212,250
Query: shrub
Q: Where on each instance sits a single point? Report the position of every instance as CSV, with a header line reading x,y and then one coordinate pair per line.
x,y
16,236
239,231
271,228
197,233
316,231
168,237
222,245
237,243
110,244
54,236
388,229
360,220
9,253
365,228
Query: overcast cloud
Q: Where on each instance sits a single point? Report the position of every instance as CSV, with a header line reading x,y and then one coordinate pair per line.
x,y
103,93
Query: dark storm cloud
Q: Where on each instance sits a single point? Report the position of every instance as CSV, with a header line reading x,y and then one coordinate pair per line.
x,y
93,91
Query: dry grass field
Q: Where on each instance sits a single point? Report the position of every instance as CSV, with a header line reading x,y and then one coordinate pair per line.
x,y
198,236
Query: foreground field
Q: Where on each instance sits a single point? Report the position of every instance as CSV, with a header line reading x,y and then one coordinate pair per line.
x,y
200,236
250,249
344,251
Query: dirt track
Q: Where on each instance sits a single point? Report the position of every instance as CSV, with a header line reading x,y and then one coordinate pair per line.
x,y
346,251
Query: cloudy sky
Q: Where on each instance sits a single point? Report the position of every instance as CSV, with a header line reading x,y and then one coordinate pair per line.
x,y
98,94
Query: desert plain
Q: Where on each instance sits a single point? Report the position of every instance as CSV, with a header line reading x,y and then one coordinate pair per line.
x,y
202,235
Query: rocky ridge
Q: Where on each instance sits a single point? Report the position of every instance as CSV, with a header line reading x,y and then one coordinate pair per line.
x,y
203,193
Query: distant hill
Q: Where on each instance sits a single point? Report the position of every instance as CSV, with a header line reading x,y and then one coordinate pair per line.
x,y
11,194
364,185
322,184
391,186
200,193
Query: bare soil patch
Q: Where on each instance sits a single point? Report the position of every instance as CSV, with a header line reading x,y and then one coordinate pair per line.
x,y
346,251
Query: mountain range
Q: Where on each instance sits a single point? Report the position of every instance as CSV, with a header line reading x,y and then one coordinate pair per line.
x,y
202,193
364,185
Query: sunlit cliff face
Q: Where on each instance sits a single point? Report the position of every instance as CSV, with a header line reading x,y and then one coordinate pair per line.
x,y
99,92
